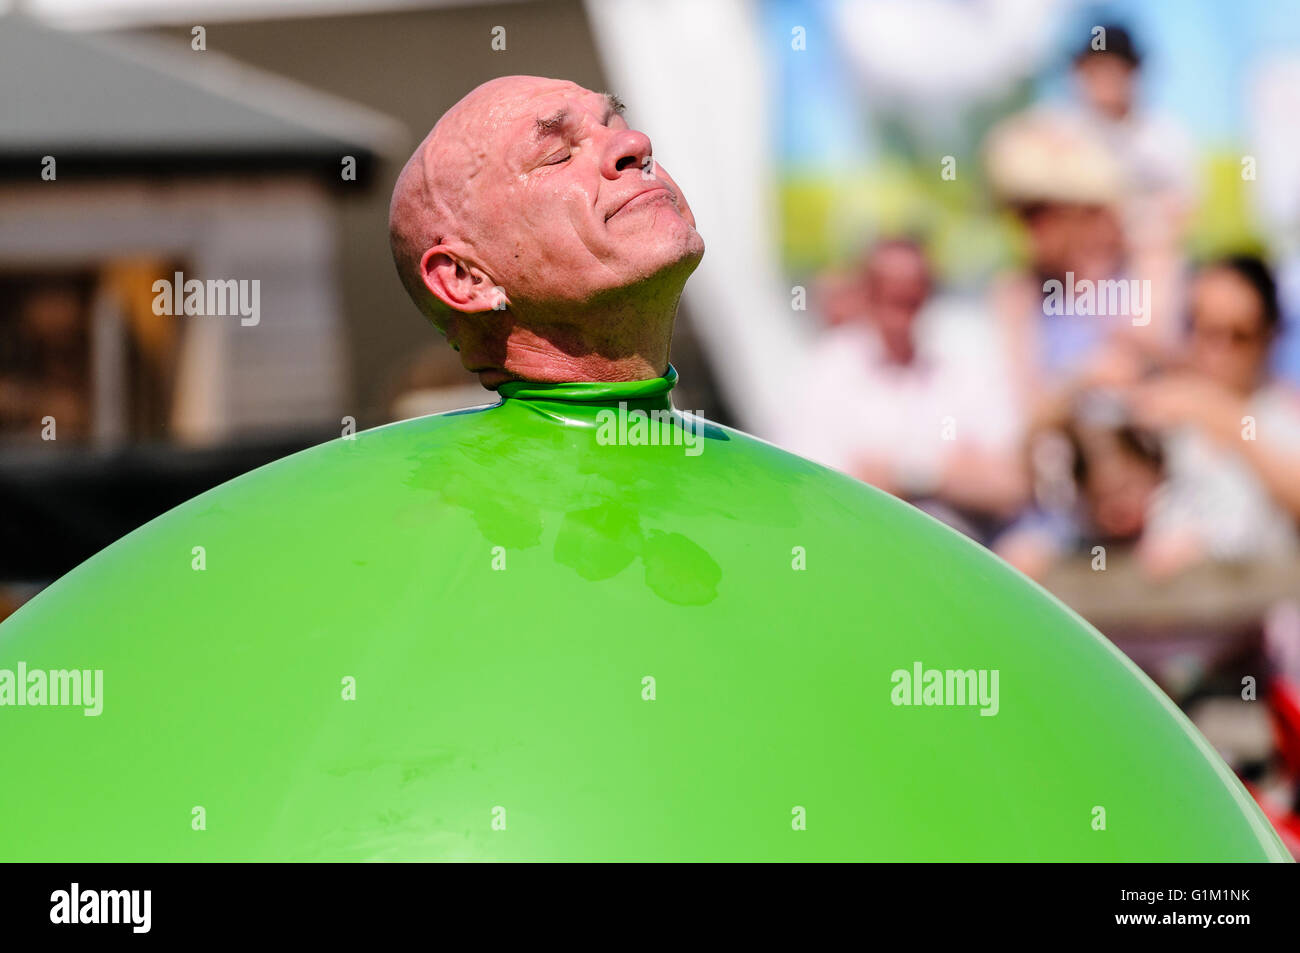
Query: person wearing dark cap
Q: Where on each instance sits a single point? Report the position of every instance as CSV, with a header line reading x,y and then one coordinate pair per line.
x,y
1156,152
1155,158
1107,68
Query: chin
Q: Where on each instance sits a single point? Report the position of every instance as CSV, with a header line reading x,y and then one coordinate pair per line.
x,y
681,248
669,260
492,379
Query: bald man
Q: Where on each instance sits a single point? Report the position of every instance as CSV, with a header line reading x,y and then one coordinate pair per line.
x,y
577,624
536,230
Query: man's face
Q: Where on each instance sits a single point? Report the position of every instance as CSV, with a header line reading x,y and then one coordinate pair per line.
x,y
895,287
1108,84
564,204
1084,238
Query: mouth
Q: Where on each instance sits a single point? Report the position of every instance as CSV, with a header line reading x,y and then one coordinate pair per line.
x,y
641,198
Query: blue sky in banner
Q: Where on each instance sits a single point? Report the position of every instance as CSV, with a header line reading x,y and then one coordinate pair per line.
x,y
1198,54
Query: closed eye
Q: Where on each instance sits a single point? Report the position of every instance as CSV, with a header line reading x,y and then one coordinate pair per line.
x,y
558,158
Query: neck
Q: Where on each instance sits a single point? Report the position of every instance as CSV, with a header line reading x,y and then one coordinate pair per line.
x,y
565,353
898,345
899,350
619,341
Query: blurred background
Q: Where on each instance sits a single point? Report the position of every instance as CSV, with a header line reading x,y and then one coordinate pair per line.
x,y
1030,265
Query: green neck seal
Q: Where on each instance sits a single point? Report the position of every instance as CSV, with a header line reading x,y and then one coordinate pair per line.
x,y
573,398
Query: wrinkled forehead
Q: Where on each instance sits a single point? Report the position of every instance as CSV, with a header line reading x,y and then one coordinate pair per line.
x,y
491,131
493,114
529,104
511,125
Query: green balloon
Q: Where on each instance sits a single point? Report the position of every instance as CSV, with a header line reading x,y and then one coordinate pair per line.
x,y
525,632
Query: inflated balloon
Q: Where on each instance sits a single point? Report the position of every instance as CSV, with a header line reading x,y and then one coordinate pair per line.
x,y
576,625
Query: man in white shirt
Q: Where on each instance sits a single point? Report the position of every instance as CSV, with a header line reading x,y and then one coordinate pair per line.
x,y
908,396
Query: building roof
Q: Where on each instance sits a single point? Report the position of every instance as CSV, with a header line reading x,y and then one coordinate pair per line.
x,y
131,103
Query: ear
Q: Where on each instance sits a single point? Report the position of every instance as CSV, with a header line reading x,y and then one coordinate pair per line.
x,y
459,285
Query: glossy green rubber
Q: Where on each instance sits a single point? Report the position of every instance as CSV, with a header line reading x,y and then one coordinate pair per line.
x,y
566,649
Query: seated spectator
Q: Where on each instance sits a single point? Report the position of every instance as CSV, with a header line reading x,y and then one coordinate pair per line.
x,y
1154,150
1232,432
1094,483
1065,189
904,396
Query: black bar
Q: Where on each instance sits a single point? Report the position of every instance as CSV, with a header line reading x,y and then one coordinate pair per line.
x,y
482,903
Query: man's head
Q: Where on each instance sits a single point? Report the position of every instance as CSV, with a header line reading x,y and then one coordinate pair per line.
x,y
1065,187
1107,75
895,284
1081,237
531,211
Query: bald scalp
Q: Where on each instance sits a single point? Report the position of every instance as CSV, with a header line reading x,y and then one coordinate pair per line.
x,y
433,197
418,219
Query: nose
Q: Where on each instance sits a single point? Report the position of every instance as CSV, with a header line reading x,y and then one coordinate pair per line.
x,y
626,149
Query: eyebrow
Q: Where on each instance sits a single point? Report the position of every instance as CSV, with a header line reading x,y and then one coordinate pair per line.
x,y
544,127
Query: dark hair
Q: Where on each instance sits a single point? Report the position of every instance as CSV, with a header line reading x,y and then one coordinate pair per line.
x,y
1133,442
902,241
1255,272
1119,42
